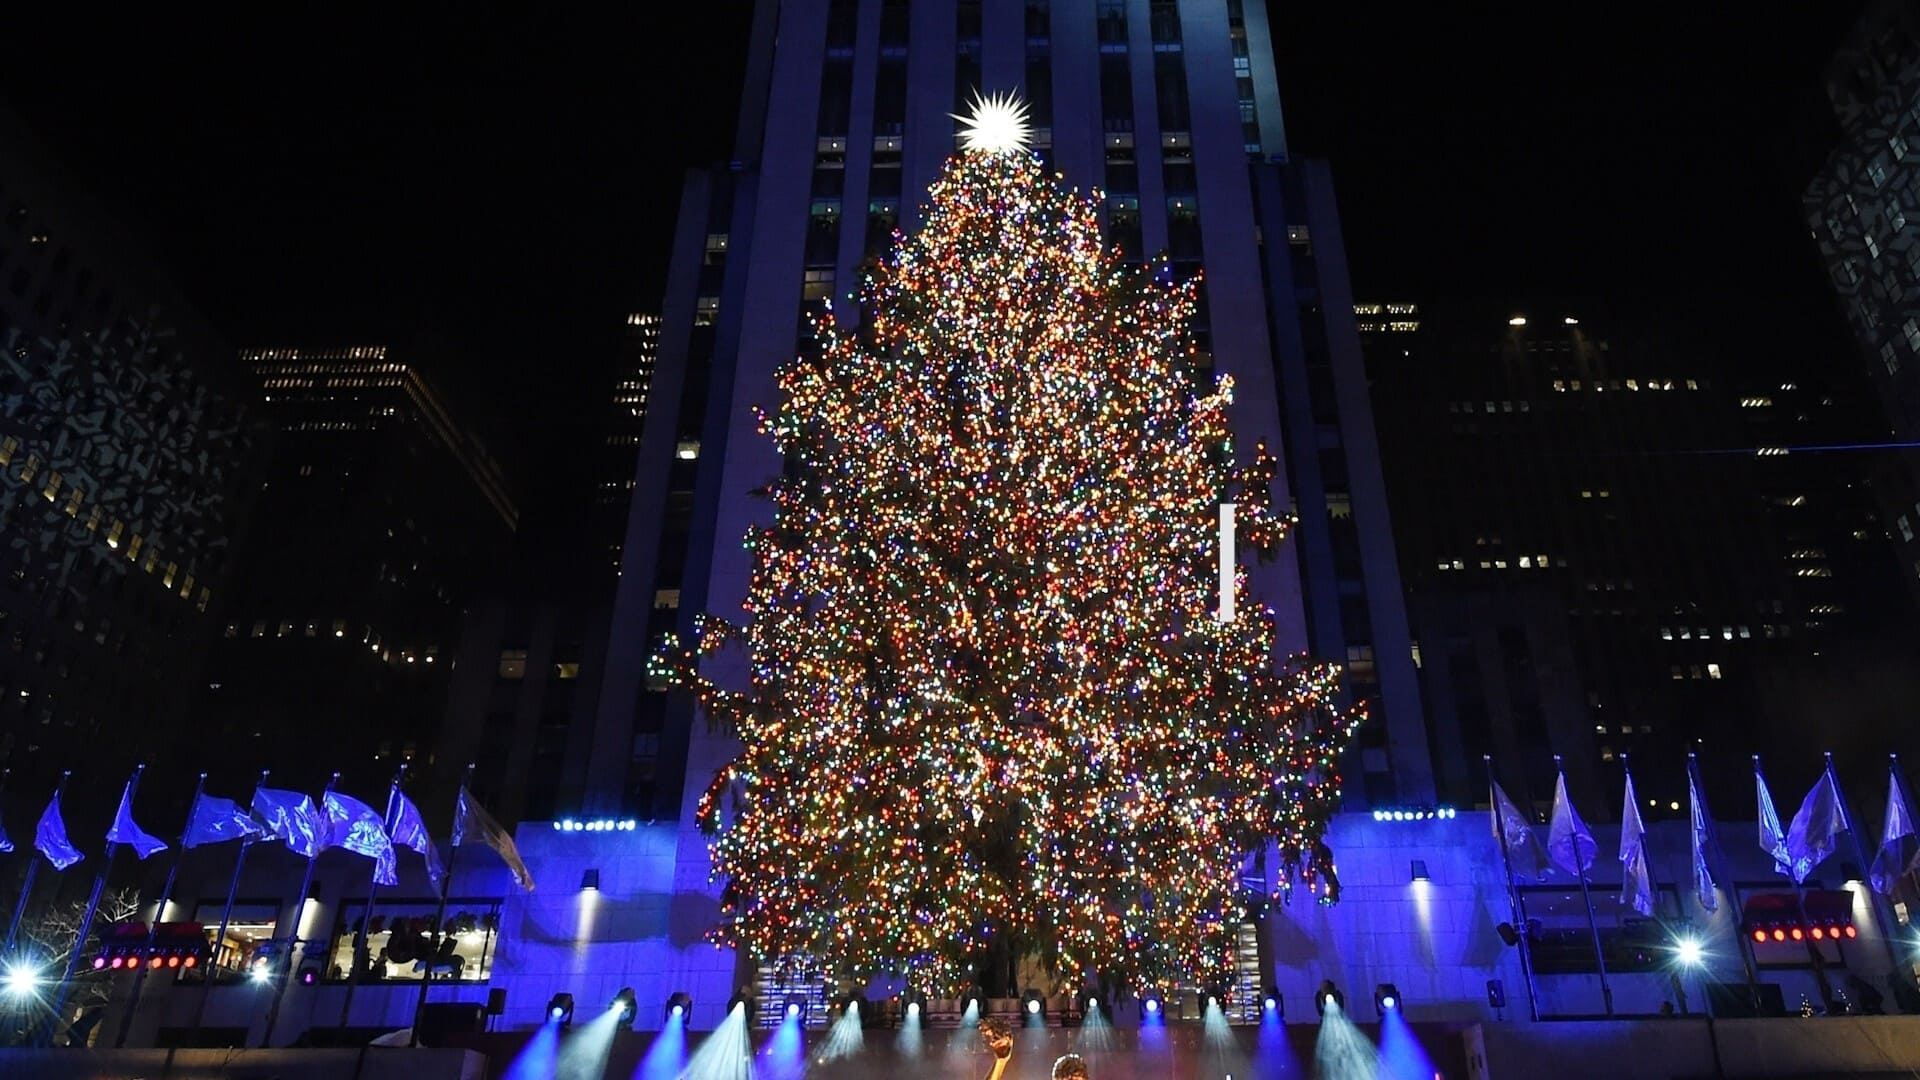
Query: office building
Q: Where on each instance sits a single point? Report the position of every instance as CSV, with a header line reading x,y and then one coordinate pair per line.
x,y
380,519
626,419
129,454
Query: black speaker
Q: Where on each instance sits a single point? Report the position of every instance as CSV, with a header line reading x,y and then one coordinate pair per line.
x,y
1739,999
497,1001
441,1019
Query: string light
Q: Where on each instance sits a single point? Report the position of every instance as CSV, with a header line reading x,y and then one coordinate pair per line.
x,y
987,694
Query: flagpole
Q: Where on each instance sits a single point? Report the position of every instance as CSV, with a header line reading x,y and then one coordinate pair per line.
x,y
226,916
440,916
1586,894
1513,893
26,888
1713,841
366,917
159,912
99,885
1882,918
294,940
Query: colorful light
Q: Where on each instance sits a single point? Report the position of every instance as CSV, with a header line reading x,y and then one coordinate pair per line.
x,y
987,693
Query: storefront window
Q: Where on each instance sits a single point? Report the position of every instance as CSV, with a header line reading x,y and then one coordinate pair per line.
x,y
252,923
402,943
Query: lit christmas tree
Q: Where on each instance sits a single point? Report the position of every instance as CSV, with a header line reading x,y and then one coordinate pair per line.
x,y
990,690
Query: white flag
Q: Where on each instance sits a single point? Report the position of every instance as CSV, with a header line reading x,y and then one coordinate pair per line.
x,y
1569,842
1701,838
1636,882
1773,839
1896,854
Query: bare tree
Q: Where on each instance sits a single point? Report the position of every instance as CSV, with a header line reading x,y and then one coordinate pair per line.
x,y
46,941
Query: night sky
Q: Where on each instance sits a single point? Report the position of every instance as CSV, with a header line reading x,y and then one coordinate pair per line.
x,y
494,197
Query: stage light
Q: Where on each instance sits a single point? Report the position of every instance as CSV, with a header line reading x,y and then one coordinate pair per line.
x,y
1759,935
560,1007
796,1009
1689,952
679,1007
1152,1007
308,976
624,1004
1819,933
914,1005
261,975
117,963
1270,1004
22,979
747,1004
1386,998
590,881
1797,934
173,961
1035,1006
1851,932
972,998
1420,875
100,962
190,962
1779,934
154,963
1328,996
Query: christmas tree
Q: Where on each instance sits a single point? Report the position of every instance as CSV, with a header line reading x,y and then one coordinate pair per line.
x,y
990,691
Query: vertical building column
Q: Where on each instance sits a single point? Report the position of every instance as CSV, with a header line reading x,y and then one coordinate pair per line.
x,y
929,139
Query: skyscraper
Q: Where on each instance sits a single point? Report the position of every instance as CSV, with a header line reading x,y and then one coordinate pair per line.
x,y
626,419
1172,112
381,517
129,454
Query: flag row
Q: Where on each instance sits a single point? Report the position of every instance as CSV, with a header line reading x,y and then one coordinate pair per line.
x,y
1796,849
307,828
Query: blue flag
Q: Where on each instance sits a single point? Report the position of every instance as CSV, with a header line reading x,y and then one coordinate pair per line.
x,y
124,831
1773,838
6,842
407,830
1811,837
1701,839
50,836
292,817
215,819
1636,880
1569,842
353,825
1896,854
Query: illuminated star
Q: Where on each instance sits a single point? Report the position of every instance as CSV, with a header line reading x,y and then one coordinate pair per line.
x,y
998,124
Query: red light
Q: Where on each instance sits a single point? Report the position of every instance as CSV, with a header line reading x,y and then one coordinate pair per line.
x,y
173,961
1818,933
116,963
1798,934
190,961
1779,934
1852,933
1759,935
154,963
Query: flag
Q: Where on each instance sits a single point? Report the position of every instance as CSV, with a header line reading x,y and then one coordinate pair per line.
x,y
353,825
1636,881
1569,843
1810,839
1511,827
1896,855
124,831
50,836
292,817
471,818
1702,877
215,819
1773,839
407,830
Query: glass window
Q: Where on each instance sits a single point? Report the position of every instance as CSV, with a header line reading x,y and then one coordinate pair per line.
x,y
252,923
402,943
567,670
513,663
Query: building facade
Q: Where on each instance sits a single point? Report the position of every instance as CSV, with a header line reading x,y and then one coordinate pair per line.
x,y
381,518
129,455
626,419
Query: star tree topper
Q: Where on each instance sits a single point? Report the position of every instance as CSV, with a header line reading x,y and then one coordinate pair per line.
x,y
998,124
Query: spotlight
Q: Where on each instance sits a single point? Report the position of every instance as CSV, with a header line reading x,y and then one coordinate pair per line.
x,y
1096,1007
117,963
913,1007
796,1009
1759,934
260,975
560,1007
1818,933
1328,996
1270,1005
1420,871
746,1003
100,962
190,962
1779,934
972,998
679,1008
21,980
1851,931
1035,1006
624,1004
1153,1007
590,881
1386,998
1797,934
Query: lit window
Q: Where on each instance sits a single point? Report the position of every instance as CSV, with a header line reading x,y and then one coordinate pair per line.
x,y
1713,671
566,671
1911,328
687,450
52,490
666,600
1905,525
513,663
1898,146
1526,562
7,447
1666,633
1890,357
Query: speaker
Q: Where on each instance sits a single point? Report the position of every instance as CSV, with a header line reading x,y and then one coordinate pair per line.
x,y
497,1001
440,1019
1738,999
